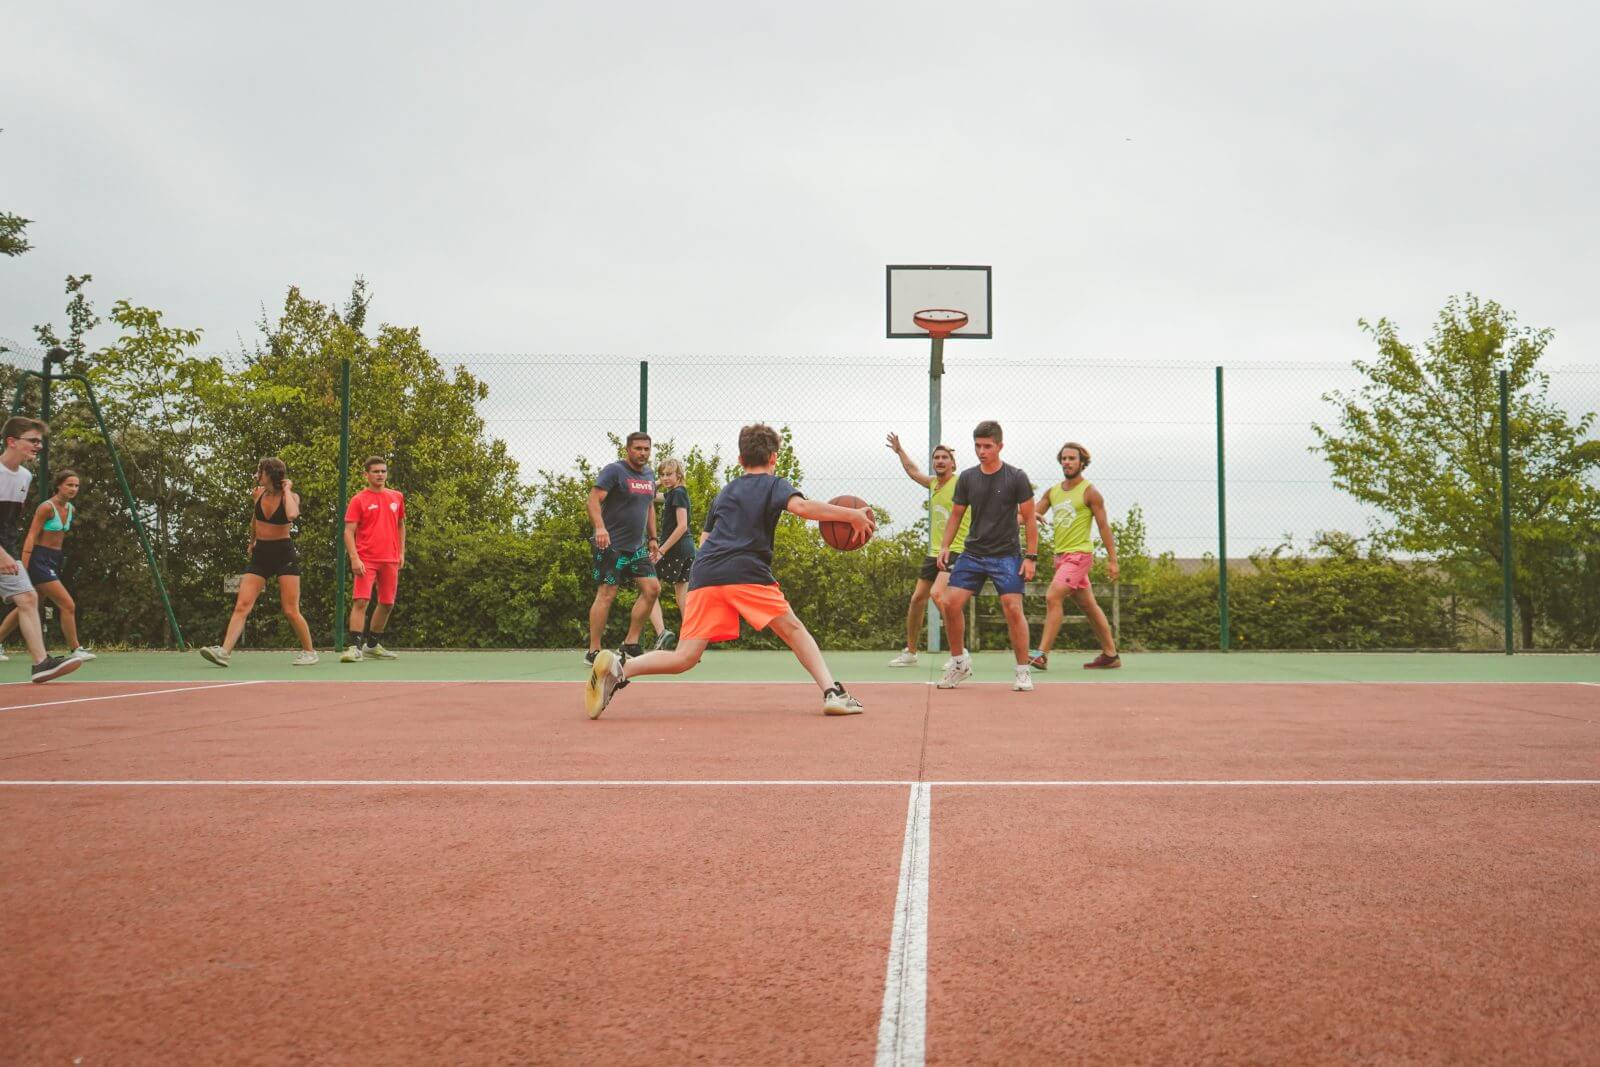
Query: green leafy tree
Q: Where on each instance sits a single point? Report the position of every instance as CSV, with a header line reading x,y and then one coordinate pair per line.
x,y
13,228
81,318
463,492
154,394
1420,440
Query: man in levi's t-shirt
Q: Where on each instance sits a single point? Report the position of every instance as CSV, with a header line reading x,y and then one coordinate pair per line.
x,y
375,541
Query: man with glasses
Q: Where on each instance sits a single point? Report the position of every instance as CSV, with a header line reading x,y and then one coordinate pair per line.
x,y
23,440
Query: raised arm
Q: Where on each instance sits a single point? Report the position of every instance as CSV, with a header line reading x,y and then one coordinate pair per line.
x,y
913,471
1097,506
291,501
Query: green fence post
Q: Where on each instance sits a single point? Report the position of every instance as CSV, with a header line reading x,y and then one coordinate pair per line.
x,y
344,495
1505,510
44,416
935,433
1222,522
133,507
644,396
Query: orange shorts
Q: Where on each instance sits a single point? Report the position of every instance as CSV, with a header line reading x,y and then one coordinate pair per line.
x,y
712,612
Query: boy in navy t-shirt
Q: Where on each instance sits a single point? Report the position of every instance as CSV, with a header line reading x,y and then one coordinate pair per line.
x,y
732,578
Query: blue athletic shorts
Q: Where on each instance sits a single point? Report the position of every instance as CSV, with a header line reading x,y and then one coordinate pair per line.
x,y
45,564
1004,571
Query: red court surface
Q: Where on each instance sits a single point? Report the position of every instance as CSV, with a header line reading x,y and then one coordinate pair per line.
x,y
489,914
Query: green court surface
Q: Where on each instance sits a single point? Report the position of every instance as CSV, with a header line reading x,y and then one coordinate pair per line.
x,y
744,666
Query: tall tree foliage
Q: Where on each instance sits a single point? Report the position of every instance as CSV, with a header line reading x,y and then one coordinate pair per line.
x,y
1421,441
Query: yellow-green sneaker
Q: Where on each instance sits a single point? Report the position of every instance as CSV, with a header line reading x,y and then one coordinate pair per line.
x,y
351,655
378,652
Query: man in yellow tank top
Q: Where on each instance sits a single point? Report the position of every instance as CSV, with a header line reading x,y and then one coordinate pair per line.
x,y
931,581
1072,504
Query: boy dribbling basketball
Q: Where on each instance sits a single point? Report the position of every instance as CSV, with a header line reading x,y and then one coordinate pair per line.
x,y
732,579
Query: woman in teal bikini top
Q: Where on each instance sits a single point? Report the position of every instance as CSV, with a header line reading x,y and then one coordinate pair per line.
x,y
43,558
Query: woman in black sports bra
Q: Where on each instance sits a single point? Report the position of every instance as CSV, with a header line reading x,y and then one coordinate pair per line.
x,y
272,555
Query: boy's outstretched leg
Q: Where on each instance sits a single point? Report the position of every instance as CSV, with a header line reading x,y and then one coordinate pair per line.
x,y
835,701
611,671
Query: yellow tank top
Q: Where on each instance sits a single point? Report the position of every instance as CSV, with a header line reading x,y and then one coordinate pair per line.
x,y
1070,518
940,504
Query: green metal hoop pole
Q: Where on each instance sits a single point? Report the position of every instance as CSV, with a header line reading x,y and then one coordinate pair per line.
x,y
344,495
935,433
45,412
1222,522
1506,579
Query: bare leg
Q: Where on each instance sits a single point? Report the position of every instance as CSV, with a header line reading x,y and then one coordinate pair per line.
x,y
599,611
1097,619
656,620
69,610
917,611
289,597
1054,600
27,612
1016,626
380,618
794,633
681,590
250,587
8,625
358,616
649,593
955,602
680,659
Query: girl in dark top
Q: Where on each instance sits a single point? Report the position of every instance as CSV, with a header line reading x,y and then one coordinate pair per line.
x,y
677,545
272,555
43,558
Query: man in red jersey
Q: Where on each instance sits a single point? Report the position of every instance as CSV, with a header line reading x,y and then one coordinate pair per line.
x,y
375,540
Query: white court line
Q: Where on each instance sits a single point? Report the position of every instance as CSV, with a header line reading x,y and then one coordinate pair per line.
x,y
697,783
126,696
903,1025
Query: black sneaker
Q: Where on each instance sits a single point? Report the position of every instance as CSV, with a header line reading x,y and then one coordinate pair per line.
x,y
588,657
635,649
54,667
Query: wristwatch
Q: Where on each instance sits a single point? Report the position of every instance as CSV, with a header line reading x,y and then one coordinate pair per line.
x,y
1031,555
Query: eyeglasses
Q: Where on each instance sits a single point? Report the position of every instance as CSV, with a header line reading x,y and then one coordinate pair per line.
x,y
32,441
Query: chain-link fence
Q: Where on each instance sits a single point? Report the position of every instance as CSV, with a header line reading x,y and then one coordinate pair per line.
x,y
1313,561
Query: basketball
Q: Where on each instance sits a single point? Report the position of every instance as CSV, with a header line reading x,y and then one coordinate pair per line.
x,y
839,534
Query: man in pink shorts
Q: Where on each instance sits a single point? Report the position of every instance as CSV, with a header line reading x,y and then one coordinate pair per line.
x,y
1073,503
375,540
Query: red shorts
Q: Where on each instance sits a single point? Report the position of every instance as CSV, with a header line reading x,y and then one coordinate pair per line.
x,y
387,575
1072,569
712,612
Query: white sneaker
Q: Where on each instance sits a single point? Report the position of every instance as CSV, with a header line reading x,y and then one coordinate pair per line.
x,y
351,655
214,654
906,658
82,653
379,652
1023,681
958,671
305,659
837,702
3,656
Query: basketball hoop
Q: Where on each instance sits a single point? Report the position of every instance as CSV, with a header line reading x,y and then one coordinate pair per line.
x,y
940,322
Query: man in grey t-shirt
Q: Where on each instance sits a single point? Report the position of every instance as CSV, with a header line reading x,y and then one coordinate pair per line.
x,y
997,493
622,509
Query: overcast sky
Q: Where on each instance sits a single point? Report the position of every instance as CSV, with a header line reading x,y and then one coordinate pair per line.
x,y
1174,181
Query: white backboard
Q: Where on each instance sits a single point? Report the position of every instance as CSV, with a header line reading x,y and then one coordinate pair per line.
x,y
912,288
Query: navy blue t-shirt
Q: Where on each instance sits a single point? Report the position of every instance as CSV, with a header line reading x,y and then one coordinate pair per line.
x,y
992,501
739,528
630,495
